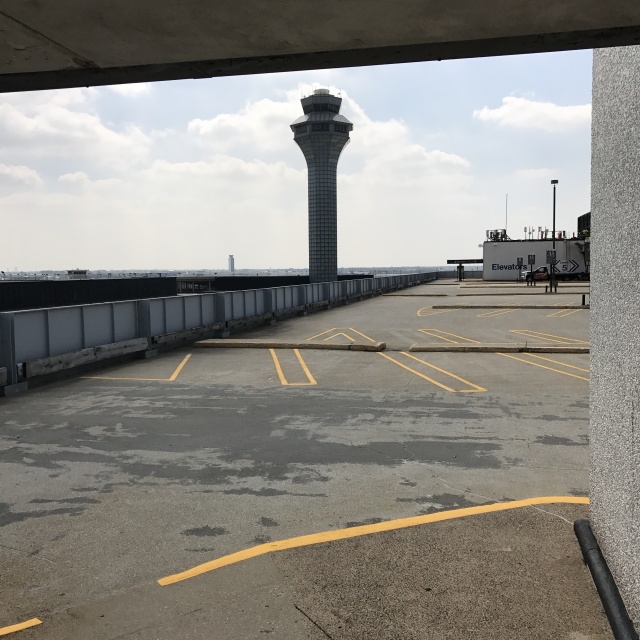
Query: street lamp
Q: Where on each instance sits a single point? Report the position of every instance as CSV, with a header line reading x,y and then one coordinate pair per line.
x,y
554,183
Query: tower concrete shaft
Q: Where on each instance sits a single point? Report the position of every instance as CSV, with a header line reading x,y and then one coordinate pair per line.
x,y
322,133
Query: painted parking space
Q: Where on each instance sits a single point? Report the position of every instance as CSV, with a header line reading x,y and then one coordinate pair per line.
x,y
297,371
550,364
541,336
140,368
437,376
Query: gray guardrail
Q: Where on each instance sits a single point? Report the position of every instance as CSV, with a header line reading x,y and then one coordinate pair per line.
x,y
38,342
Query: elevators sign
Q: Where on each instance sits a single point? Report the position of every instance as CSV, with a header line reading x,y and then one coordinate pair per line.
x,y
551,257
519,261
532,259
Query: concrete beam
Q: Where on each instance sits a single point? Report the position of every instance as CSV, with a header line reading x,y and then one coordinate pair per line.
x,y
97,42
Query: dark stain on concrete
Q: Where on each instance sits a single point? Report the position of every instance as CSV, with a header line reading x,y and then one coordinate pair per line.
x,y
202,550
8,517
580,493
260,539
567,442
348,525
268,492
65,501
268,522
205,531
443,500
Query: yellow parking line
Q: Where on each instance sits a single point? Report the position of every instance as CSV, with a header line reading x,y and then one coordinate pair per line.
x,y
417,373
555,313
321,334
283,380
303,364
335,335
568,313
362,334
179,368
435,335
364,530
447,333
453,375
547,336
432,313
535,364
570,366
173,377
5,631
493,313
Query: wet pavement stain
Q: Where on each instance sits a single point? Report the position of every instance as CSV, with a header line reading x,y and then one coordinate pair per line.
x,y
8,517
580,493
567,442
441,502
268,522
260,539
65,501
205,531
269,492
349,525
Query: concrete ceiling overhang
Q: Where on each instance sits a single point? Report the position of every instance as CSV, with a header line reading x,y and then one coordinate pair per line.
x,y
72,43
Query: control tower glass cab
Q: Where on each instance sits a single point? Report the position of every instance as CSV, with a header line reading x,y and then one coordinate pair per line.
x,y
322,133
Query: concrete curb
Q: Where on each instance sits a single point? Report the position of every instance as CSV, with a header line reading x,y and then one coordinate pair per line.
x,y
621,624
224,343
496,348
527,293
502,306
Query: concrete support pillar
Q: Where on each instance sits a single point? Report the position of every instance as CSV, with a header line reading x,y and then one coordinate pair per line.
x,y
615,317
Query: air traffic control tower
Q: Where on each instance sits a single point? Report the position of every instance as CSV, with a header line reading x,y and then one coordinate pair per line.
x,y
322,133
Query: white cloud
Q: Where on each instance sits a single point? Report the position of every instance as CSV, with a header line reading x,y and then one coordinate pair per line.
x,y
65,127
522,113
130,90
261,125
13,175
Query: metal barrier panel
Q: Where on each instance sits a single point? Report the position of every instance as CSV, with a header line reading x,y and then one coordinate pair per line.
x,y
158,317
98,325
310,294
227,296
259,298
65,330
208,309
174,314
238,305
192,311
288,298
249,303
31,332
280,299
125,320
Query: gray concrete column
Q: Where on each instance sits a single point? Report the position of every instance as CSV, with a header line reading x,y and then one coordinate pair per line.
x,y
615,316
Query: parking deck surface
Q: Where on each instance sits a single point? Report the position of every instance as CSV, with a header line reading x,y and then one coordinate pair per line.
x,y
142,470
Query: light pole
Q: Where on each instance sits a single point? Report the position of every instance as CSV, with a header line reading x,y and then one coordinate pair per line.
x,y
554,183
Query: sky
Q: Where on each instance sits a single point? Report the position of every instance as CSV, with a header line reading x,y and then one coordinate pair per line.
x,y
178,175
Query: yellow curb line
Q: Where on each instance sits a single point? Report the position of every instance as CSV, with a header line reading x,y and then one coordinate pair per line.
x,y
4,631
354,532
